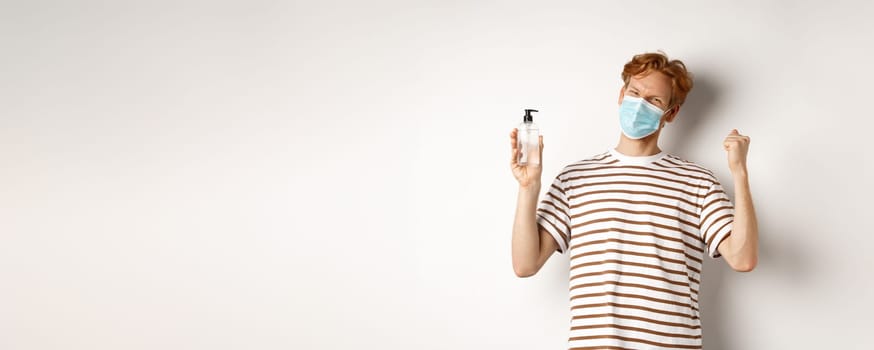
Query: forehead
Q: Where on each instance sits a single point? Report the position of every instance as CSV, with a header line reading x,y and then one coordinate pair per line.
x,y
655,83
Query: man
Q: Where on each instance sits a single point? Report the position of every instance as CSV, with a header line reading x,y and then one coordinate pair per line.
x,y
637,222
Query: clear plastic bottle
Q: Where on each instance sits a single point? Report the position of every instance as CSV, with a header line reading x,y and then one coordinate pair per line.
x,y
529,140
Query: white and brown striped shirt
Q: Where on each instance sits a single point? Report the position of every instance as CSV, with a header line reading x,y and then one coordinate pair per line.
x,y
637,229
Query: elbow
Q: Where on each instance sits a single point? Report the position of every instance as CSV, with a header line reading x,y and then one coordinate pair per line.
x,y
523,271
745,266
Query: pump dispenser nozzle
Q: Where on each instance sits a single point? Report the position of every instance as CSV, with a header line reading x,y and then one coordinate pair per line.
x,y
528,118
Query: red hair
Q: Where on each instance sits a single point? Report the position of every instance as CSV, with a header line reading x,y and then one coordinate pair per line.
x,y
645,63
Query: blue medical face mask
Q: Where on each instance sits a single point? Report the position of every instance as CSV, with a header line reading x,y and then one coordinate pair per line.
x,y
638,118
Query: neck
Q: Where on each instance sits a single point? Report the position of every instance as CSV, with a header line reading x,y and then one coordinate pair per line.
x,y
646,146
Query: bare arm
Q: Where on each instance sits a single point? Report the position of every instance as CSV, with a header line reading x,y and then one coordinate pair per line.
x,y
532,245
741,249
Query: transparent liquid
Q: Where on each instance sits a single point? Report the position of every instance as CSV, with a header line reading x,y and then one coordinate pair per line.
x,y
529,146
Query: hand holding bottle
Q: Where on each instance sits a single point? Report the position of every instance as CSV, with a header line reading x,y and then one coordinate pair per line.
x,y
529,173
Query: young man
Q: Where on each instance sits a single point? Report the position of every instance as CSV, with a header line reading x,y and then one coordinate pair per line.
x,y
637,222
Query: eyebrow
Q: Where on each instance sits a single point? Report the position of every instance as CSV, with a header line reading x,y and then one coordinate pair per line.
x,y
635,87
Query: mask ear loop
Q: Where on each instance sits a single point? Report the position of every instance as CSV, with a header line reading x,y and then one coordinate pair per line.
x,y
663,123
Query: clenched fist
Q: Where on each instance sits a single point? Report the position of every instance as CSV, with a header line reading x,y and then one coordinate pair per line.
x,y
736,145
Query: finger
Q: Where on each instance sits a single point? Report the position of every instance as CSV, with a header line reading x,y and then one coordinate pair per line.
x,y
513,157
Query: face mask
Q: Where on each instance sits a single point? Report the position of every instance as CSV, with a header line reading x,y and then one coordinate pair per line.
x,y
638,118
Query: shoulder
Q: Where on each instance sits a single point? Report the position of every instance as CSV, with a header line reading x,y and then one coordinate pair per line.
x,y
689,167
592,161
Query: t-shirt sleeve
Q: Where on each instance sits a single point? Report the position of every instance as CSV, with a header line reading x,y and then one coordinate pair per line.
x,y
716,218
552,214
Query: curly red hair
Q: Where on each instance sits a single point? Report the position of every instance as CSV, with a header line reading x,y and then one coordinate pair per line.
x,y
645,63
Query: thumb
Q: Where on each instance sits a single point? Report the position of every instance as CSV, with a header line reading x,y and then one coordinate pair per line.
x,y
733,132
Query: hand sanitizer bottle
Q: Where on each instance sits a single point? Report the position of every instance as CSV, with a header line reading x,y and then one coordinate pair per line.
x,y
529,140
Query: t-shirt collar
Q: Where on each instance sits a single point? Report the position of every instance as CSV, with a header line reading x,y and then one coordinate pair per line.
x,y
639,160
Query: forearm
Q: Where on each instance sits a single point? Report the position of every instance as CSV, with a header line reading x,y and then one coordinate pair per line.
x,y
526,240
744,240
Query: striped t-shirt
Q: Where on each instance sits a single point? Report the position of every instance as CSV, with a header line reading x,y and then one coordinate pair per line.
x,y
637,229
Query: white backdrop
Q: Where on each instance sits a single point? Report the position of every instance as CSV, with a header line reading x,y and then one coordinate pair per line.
x,y
327,175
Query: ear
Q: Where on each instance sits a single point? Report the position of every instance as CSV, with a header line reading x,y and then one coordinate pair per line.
x,y
621,94
672,114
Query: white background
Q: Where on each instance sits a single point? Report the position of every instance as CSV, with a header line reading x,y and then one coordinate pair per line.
x,y
333,175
